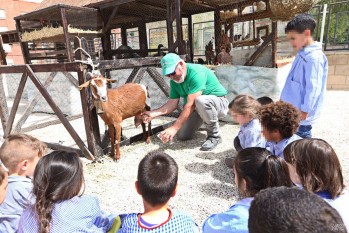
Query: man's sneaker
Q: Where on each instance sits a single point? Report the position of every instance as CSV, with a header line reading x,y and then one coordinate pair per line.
x,y
211,143
229,161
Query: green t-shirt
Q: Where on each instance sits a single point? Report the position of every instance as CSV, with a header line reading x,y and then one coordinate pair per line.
x,y
199,78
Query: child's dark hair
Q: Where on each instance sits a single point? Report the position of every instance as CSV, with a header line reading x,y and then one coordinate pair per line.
x,y
280,116
58,176
157,177
300,23
11,151
245,105
260,169
283,209
317,165
264,100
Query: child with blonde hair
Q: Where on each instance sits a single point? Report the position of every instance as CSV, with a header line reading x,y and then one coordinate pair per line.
x,y
60,204
19,153
243,110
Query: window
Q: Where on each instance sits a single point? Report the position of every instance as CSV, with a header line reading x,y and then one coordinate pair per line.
x,y
2,14
7,48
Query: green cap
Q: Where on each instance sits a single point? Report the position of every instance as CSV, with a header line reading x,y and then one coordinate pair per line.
x,y
169,63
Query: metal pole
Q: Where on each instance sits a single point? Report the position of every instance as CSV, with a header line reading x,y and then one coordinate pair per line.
x,y
323,23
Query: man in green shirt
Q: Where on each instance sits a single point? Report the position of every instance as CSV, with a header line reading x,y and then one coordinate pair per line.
x,y
204,101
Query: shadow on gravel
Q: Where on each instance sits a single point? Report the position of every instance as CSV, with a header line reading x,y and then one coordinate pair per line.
x,y
218,170
221,190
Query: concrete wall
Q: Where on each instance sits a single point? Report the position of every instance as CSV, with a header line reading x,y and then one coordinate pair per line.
x,y
338,70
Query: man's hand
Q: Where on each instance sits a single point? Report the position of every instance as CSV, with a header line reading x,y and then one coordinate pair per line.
x,y
146,116
303,115
168,134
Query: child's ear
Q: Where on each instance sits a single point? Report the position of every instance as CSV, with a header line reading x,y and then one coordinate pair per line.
x,y
137,187
307,32
175,191
24,165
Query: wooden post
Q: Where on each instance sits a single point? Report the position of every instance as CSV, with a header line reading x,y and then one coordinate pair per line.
x,y
59,114
274,41
124,35
24,45
90,120
190,37
143,39
217,30
169,24
66,35
179,42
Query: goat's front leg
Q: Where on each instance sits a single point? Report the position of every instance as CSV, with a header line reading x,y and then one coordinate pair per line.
x,y
149,132
111,131
117,140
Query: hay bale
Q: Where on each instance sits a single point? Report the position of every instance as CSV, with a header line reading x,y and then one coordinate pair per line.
x,y
286,10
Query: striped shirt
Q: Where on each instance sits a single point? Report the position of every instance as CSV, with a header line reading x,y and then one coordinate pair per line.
x,y
79,214
179,222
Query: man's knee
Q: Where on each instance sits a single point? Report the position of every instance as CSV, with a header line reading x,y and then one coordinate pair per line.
x,y
201,101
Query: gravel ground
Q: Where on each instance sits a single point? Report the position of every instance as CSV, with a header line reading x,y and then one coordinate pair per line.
x,y
205,183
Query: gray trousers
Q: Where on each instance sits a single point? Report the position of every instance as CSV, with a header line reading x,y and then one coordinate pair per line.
x,y
208,109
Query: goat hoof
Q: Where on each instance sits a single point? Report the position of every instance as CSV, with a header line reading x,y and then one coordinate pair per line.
x,y
148,141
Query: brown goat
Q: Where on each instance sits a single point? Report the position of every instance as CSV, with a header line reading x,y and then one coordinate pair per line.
x,y
118,104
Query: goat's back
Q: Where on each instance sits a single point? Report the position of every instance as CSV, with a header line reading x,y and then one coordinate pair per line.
x,y
126,101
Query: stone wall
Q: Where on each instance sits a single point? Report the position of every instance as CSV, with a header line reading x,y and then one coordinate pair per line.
x,y
338,70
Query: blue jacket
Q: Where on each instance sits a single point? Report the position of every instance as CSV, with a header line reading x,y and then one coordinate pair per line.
x,y
306,83
233,220
18,198
250,135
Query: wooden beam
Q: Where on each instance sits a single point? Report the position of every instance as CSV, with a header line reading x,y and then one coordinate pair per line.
x,y
59,67
260,49
124,35
24,45
274,41
16,101
59,114
190,37
143,39
66,35
129,63
56,146
3,105
217,30
49,123
179,27
29,109
169,24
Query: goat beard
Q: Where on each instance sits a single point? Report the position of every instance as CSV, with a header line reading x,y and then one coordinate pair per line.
x,y
180,80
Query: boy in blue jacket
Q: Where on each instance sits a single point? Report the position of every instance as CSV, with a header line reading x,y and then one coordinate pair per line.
x,y
306,83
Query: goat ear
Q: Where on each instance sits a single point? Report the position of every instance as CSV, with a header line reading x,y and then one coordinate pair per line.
x,y
85,84
111,80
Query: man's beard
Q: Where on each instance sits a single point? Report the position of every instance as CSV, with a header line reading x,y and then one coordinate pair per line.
x,y
180,80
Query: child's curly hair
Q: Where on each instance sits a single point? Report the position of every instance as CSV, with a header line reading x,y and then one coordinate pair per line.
x,y
280,116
